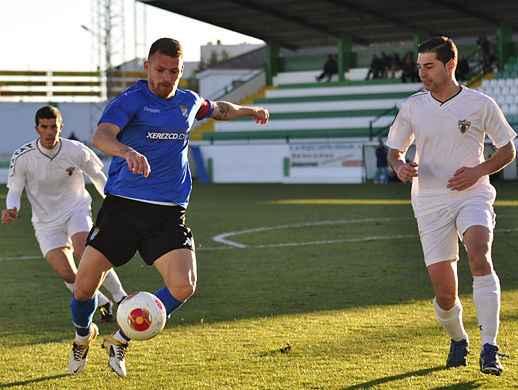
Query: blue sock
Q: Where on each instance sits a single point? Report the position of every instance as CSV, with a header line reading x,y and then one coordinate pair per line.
x,y
170,302
82,314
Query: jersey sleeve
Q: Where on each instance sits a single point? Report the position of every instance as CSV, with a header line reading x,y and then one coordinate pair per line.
x,y
496,126
92,166
119,111
16,178
206,109
401,133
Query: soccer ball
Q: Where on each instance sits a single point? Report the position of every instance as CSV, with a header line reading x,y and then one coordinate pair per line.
x,y
141,316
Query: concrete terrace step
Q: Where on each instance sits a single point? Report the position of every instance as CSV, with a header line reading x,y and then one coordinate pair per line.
x,y
374,96
308,76
332,106
348,90
362,133
325,114
346,83
302,124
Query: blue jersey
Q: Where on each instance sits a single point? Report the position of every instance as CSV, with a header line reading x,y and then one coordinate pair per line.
x,y
159,129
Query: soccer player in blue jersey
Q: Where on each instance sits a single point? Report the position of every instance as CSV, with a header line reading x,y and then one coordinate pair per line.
x,y
146,130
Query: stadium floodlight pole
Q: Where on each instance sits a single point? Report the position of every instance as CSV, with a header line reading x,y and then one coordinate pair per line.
x,y
103,72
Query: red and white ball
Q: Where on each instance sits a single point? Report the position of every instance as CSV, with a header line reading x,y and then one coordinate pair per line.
x,y
141,316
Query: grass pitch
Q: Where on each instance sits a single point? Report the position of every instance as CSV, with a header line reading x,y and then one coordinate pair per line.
x,y
308,287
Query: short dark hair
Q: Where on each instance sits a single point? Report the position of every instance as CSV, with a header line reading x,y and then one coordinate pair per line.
x,y
443,47
168,46
47,112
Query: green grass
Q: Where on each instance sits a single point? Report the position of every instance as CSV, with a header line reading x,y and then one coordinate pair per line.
x,y
342,315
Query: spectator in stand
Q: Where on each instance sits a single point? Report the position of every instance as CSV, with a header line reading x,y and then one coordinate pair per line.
x,y
463,70
330,69
375,69
409,69
485,53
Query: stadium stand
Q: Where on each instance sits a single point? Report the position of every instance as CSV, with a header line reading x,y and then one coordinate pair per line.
x,y
313,110
504,89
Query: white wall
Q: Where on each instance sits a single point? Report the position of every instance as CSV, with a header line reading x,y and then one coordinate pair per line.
x,y
17,122
310,162
213,81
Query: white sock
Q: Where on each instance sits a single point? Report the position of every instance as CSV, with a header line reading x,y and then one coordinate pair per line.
x,y
81,339
451,320
486,295
70,286
114,286
101,299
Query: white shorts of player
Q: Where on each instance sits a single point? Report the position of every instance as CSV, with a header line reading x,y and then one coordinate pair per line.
x,y
59,236
440,231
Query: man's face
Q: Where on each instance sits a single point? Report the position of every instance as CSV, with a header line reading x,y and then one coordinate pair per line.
x,y
49,130
433,73
163,74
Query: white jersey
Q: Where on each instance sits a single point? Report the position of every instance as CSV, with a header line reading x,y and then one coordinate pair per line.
x,y
55,183
447,136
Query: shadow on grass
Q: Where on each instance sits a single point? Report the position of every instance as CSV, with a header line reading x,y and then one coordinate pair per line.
x,y
387,379
32,381
460,386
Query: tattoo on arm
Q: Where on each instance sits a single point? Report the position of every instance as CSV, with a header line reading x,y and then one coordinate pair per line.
x,y
223,110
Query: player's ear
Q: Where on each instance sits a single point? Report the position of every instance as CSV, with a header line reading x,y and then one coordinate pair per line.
x,y
146,65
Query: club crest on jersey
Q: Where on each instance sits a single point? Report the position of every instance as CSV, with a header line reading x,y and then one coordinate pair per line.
x,y
70,170
464,125
184,110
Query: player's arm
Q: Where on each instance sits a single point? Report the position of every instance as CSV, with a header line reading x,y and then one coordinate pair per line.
x,y
465,177
225,111
16,184
105,139
92,166
404,171
12,201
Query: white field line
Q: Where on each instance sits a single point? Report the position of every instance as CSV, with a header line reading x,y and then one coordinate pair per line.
x,y
223,237
285,244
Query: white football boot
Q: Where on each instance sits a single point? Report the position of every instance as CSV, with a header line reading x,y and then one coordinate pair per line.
x,y
79,353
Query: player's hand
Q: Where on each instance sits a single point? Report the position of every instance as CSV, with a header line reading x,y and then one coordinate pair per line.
x,y
261,115
9,215
463,178
405,172
137,163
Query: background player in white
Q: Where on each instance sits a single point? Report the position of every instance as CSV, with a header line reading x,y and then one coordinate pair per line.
x,y
51,171
451,193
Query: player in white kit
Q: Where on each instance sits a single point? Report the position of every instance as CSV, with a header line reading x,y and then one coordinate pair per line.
x,y
50,169
451,194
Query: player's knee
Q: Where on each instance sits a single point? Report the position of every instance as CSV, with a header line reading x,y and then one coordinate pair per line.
x,y
445,300
82,292
184,291
478,250
69,278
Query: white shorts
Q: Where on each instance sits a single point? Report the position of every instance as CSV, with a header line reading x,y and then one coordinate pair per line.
x,y
441,230
59,236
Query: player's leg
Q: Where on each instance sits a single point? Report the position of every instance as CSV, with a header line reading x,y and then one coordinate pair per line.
x,y
111,281
55,246
476,222
169,246
79,225
440,247
178,270
91,271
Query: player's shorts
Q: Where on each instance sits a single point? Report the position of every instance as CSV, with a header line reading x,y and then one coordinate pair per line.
x,y
441,230
59,236
125,226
